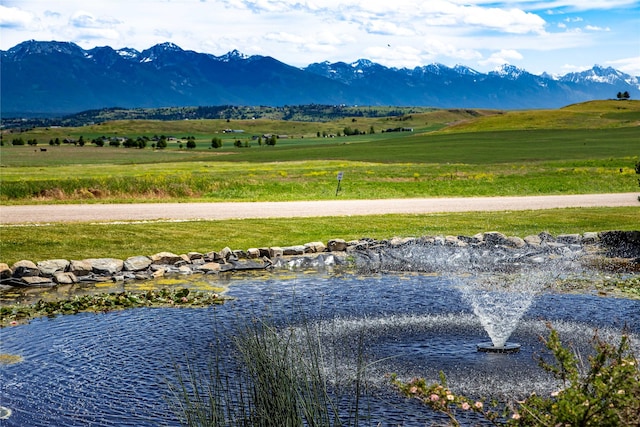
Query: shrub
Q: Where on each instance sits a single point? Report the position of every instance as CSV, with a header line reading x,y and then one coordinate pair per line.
x,y
606,394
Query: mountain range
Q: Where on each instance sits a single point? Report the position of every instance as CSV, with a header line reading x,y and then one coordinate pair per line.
x,y
56,78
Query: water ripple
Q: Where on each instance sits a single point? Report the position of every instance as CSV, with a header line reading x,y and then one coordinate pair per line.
x,y
111,369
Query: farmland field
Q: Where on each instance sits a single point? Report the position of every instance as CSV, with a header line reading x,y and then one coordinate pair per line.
x,y
587,148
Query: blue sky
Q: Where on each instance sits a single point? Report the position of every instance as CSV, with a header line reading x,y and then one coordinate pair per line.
x,y
556,36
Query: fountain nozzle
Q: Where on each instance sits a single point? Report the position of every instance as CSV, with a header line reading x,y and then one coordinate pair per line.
x,y
487,347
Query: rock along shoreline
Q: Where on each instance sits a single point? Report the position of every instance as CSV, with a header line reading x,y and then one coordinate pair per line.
x,y
615,250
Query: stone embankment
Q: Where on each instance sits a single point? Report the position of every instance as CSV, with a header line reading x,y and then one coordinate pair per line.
x,y
624,246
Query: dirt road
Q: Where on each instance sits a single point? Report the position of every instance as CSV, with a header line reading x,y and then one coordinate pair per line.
x,y
28,214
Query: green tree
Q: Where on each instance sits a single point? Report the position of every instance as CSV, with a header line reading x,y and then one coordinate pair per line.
x,y
216,142
17,141
191,144
162,143
81,141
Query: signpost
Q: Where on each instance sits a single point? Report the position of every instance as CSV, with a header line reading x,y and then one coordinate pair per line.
x,y
339,180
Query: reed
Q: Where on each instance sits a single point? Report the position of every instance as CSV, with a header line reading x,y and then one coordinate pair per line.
x,y
275,378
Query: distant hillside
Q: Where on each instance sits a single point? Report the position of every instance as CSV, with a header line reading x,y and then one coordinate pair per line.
x,y
304,113
59,78
588,115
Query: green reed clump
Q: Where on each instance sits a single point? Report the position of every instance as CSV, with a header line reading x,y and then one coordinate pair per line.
x,y
275,378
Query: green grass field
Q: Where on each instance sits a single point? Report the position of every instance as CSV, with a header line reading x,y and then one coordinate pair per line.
x,y
583,148
448,153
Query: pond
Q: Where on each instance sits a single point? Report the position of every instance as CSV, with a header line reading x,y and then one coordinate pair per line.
x,y
112,368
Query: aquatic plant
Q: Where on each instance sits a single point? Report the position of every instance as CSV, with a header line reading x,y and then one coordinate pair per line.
x,y
10,359
277,378
16,313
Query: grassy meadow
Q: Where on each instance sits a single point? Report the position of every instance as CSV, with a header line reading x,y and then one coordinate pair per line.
x,y
583,148
447,153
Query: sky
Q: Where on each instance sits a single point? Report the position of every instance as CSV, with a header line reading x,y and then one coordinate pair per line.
x,y
554,36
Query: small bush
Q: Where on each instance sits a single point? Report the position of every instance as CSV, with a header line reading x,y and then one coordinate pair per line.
x,y
606,394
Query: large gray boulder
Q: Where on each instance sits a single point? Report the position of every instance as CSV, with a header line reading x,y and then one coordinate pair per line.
x,y
105,266
337,245
5,271
25,268
494,238
65,278
137,263
36,281
533,240
314,247
50,267
275,251
209,267
293,250
80,267
166,258
516,242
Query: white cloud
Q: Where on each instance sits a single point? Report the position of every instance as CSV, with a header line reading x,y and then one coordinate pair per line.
x,y
569,68
435,48
87,26
395,56
12,17
502,57
552,6
596,28
510,21
627,65
283,37
387,28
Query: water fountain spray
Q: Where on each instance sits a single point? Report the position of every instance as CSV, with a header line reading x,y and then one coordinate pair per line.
x,y
500,284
